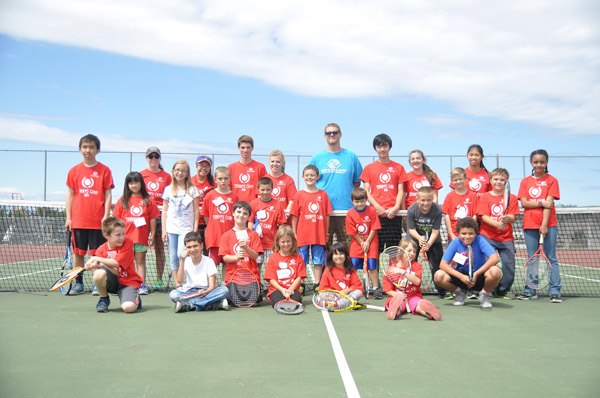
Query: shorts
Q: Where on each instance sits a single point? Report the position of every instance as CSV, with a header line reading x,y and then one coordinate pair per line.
x,y
316,252
87,239
458,283
359,263
213,252
139,248
126,293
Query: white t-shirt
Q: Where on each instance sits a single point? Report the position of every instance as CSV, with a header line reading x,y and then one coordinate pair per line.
x,y
180,215
196,275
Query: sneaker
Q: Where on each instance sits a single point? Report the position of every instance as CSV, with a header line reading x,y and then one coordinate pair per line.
x,y
95,291
527,296
139,303
459,297
377,294
472,295
103,304
144,289
158,285
77,289
395,307
484,299
555,298
222,305
430,309
449,296
509,296
183,306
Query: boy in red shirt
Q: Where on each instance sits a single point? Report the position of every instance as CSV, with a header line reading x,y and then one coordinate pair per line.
x,y
310,221
363,225
88,202
240,246
459,203
114,268
246,172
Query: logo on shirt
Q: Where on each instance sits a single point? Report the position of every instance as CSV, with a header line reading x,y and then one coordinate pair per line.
x,y
462,211
333,164
362,229
244,178
153,186
262,216
535,192
276,191
385,178
87,182
223,208
497,210
474,184
422,183
313,207
136,210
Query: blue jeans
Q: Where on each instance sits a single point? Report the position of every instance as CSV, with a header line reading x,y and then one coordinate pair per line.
x,y
217,294
176,247
506,250
532,239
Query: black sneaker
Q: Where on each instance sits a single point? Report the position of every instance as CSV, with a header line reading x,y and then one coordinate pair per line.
x,y
377,294
103,304
139,303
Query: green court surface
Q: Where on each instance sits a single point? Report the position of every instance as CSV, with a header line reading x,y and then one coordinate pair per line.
x,y
56,346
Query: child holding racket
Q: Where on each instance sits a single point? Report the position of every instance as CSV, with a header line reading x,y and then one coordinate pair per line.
x,y
411,273
240,246
537,194
197,280
114,268
310,221
180,211
459,203
340,274
498,212
421,175
362,225
285,268
139,213
424,220
469,263
88,201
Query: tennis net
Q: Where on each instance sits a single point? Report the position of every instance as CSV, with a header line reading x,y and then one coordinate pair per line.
x,y
33,239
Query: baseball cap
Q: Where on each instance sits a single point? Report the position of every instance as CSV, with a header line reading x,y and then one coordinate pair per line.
x,y
203,158
152,149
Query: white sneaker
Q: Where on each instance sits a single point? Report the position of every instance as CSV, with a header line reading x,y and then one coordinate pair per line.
x,y
484,299
459,297
225,305
95,291
144,289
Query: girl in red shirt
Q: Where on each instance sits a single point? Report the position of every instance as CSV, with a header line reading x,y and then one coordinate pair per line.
x,y
478,179
339,274
420,176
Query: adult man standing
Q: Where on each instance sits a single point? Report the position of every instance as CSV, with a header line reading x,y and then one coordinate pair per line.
x,y
339,172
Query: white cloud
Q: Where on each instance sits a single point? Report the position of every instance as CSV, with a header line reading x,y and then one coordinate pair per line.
x,y
518,60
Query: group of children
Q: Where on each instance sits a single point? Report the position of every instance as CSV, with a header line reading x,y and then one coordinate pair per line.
x,y
244,217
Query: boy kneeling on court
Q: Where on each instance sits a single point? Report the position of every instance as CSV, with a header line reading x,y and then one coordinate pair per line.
x,y
455,269
114,268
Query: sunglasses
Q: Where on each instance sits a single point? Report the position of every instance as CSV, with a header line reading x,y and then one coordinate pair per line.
x,y
332,133
154,156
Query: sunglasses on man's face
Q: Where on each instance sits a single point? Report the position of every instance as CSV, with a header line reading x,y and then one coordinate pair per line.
x,y
332,133
154,156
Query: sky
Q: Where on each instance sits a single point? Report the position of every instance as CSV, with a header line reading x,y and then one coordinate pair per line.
x,y
191,76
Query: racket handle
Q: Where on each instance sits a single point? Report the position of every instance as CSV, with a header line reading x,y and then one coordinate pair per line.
x,y
541,239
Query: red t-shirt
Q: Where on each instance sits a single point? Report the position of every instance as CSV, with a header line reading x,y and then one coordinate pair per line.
x,y
229,245
270,216
336,278
89,185
537,190
284,189
478,182
459,206
218,208
284,269
384,179
124,256
137,218
414,182
312,209
362,223
411,290
156,184
244,179
493,206
203,188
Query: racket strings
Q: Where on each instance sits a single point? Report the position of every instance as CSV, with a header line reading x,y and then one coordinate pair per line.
x,y
289,307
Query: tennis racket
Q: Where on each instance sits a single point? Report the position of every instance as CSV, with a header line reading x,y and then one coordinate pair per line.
x,y
366,273
67,266
190,295
394,259
470,255
537,269
244,287
334,301
506,198
288,307
66,279
427,279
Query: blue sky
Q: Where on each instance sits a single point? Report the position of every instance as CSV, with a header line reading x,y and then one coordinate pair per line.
x,y
191,76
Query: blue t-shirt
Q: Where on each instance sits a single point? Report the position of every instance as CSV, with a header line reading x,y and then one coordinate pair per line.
x,y
481,252
338,171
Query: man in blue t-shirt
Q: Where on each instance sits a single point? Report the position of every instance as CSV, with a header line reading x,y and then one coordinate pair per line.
x,y
339,174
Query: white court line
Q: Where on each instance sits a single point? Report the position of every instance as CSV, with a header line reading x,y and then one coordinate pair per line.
x,y
563,274
347,379
29,274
